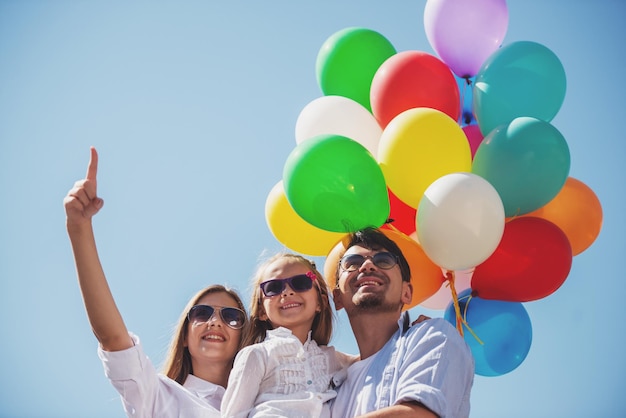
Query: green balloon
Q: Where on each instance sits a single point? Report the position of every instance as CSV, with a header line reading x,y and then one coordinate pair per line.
x,y
527,161
521,79
335,184
348,60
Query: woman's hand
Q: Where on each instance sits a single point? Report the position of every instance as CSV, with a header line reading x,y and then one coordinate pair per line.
x,y
82,201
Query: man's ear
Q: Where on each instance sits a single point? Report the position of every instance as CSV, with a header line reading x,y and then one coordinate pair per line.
x,y
337,299
407,292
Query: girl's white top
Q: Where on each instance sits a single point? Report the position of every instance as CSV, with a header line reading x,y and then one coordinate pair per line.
x,y
281,377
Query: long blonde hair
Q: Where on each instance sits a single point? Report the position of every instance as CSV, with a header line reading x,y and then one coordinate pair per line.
x,y
322,326
177,364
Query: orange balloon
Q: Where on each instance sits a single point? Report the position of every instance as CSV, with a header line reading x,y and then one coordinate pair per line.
x,y
577,211
426,276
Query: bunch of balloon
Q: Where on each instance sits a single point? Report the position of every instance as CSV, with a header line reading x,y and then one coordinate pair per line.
x,y
424,104
332,183
464,34
509,95
454,156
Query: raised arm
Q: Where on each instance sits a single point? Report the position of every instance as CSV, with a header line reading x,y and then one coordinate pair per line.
x,y
81,203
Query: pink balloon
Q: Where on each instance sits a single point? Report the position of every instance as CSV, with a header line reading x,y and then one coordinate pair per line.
x,y
443,297
464,33
474,137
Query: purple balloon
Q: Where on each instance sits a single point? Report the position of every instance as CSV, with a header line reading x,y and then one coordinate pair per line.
x,y
465,33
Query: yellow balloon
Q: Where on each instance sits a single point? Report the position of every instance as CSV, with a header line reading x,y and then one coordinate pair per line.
x,y
291,230
419,146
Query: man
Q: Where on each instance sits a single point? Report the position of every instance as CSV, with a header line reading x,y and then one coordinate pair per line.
x,y
425,370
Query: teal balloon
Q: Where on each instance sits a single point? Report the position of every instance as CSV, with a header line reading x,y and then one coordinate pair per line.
x,y
503,328
521,79
527,161
335,184
347,61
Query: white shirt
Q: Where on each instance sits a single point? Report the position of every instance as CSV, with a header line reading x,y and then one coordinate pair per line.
x,y
428,363
281,377
145,393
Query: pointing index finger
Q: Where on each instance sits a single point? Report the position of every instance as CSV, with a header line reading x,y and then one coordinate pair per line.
x,y
92,168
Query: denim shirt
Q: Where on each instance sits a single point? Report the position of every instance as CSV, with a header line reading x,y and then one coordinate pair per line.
x,y
429,363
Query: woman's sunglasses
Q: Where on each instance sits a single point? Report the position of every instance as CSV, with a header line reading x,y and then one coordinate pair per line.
x,y
353,262
299,283
233,317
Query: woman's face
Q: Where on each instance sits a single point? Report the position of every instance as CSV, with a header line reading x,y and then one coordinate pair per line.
x,y
290,309
213,340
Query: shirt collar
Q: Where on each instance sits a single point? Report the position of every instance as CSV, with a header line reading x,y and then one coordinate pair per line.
x,y
285,333
201,387
404,322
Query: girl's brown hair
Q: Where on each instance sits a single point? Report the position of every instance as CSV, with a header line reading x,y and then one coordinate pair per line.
x,y
177,364
322,326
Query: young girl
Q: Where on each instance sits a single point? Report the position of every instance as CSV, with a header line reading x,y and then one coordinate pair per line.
x,y
289,372
206,340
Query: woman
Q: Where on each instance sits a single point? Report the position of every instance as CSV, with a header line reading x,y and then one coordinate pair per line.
x,y
207,338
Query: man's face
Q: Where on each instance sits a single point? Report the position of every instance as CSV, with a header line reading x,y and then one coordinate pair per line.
x,y
373,286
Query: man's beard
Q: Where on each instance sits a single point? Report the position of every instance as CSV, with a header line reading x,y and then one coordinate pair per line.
x,y
371,303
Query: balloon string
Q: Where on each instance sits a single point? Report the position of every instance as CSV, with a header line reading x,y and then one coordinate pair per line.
x,y
462,117
469,297
389,224
455,302
460,318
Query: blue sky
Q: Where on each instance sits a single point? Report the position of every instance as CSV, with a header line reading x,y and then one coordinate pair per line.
x,y
192,106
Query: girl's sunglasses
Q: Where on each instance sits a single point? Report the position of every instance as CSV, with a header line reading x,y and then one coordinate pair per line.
x,y
353,262
299,283
233,317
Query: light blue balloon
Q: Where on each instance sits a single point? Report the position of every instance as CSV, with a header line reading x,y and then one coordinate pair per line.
x,y
504,328
527,161
521,79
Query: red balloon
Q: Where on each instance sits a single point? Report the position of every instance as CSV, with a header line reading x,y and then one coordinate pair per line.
x,y
531,262
402,214
412,79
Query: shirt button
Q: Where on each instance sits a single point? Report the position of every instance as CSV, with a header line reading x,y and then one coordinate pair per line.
x,y
308,382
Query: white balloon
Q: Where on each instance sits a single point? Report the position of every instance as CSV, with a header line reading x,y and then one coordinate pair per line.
x,y
338,115
460,221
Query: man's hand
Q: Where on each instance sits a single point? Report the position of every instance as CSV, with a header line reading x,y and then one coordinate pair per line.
x,y
419,319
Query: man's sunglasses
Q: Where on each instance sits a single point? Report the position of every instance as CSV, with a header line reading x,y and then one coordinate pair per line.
x,y
299,283
353,262
233,317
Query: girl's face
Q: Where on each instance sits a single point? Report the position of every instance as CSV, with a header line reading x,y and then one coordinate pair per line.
x,y
213,340
290,309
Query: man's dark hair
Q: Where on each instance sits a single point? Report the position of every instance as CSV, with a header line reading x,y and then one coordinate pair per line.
x,y
374,239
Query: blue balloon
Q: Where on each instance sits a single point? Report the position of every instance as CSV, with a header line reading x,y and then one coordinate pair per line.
x,y
504,329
